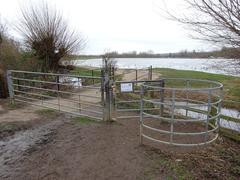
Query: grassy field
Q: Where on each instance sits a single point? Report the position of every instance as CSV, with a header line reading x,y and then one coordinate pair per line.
x,y
86,72
231,83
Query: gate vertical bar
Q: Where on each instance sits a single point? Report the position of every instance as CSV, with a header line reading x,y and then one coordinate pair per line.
x,y
219,108
141,114
187,94
208,114
58,94
172,116
10,86
162,85
102,87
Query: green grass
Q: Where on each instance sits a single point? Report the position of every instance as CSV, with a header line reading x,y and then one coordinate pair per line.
x,y
47,112
83,120
173,73
163,161
80,71
231,83
7,127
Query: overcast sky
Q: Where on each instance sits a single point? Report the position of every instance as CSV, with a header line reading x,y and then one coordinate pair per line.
x,y
118,25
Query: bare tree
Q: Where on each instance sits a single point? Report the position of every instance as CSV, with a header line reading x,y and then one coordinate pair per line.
x,y
48,35
216,21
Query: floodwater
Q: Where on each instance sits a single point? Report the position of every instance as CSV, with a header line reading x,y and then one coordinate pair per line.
x,y
223,123
218,66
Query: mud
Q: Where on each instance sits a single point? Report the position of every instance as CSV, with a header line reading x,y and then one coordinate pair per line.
x,y
60,148
15,147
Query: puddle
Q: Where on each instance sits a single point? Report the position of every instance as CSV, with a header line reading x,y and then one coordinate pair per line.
x,y
223,123
14,147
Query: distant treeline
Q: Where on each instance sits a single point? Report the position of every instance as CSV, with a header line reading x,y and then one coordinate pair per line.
x,y
231,53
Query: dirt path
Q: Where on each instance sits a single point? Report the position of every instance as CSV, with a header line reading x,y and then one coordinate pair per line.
x,y
130,74
96,151
23,114
66,149
14,148
58,147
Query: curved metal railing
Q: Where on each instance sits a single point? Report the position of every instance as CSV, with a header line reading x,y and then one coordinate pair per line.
x,y
183,112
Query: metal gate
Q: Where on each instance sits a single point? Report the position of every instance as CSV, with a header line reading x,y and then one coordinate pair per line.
x,y
127,98
78,95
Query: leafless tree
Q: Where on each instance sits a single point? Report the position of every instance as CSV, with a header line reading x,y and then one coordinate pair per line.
x,y
215,21
48,35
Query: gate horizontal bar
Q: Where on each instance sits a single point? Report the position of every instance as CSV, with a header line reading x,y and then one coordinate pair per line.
x,y
55,74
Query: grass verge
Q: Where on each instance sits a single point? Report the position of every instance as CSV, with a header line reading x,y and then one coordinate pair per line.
x,y
80,71
83,120
47,112
231,83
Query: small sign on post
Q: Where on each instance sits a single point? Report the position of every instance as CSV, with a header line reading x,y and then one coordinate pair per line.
x,y
126,87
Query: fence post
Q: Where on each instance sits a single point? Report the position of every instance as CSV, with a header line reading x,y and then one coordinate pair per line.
x,y
58,95
162,84
10,86
107,99
136,74
102,88
141,114
150,72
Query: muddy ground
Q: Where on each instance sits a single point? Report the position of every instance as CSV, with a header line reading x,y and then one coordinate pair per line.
x,y
57,146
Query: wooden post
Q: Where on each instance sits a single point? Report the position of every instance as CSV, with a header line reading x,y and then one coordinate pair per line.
x,y
107,90
136,74
150,72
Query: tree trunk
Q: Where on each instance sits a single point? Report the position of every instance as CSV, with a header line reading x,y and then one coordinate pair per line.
x,y
3,85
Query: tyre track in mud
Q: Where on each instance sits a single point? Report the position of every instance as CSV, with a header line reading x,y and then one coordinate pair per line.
x,y
14,148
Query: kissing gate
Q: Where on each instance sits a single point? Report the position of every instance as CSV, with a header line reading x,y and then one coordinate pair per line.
x,y
180,112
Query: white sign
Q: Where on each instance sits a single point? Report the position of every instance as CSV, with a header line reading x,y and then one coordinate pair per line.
x,y
126,87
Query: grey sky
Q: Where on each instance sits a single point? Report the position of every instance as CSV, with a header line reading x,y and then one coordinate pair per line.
x,y
118,25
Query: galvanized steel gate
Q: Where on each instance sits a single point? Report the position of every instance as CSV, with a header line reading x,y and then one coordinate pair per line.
x,y
104,98
79,95
127,98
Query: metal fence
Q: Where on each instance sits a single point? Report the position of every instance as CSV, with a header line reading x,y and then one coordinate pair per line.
x,y
182,115
127,98
78,95
135,74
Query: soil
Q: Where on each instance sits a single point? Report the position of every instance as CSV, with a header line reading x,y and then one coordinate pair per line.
x,y
57,147
61,148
